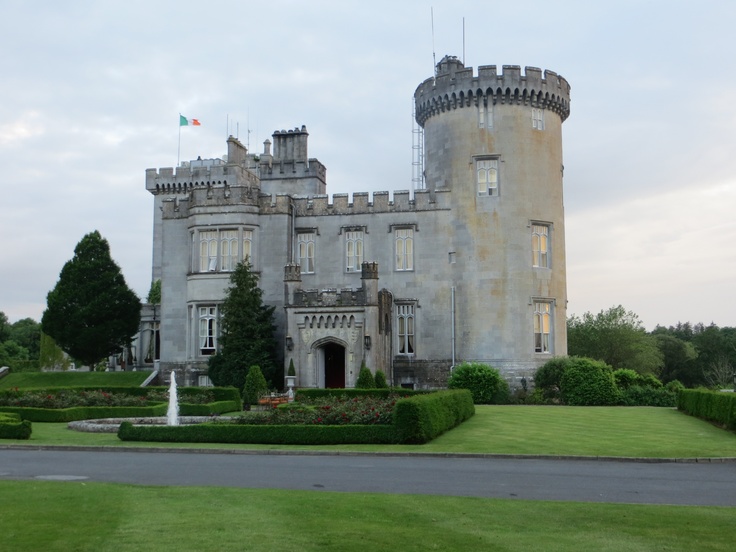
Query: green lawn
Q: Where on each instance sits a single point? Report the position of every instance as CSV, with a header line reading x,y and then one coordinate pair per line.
x,y
553,430
66,516
72,379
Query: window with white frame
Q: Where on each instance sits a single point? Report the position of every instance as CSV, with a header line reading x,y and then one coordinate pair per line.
x,y
404,241
353,250
221,249
228,250
540,245
305,251
405,328
207,330
542,326
208,251
487,176
204,381
485,115
538,119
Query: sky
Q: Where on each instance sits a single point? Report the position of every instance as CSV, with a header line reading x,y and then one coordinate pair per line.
x,y
91,92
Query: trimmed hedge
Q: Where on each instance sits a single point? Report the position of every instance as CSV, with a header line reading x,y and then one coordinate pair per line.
x,y
416,419
218,407
11,426
219,393
713,406
420,419
638,395
57,415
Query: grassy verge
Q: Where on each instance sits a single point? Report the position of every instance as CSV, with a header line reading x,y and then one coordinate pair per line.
x,y
578,431
64,516
72,379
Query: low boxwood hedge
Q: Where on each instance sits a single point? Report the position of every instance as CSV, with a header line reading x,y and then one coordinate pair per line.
x,y
713,406
11,426
218,407
416,420
56,415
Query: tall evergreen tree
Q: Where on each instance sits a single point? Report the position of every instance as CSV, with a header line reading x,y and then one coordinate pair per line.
x,y
246,336
91,313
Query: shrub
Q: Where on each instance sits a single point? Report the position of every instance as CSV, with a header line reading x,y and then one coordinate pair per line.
x,y
639,395
422,418
365,379
549,375
650,380
484,383
588,382
714,406
291,371
381,380
11,426
674,385
255,385
625,378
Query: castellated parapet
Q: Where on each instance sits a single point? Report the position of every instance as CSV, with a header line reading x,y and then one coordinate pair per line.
x,y
455,86
319,205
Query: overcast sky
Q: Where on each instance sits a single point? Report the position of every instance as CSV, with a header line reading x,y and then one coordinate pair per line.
x,y
90,93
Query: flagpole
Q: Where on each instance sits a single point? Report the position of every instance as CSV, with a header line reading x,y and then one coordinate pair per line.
x,y
178,148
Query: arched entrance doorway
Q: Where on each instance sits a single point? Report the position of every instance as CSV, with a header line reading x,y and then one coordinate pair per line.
x,y
334,367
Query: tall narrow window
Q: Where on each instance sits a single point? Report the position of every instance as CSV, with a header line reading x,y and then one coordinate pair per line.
x,y
228,250
538,119
207,330
540,245
248,245
305,246
485,115
405,325
208,251
542,325
404,248
354,250
487,176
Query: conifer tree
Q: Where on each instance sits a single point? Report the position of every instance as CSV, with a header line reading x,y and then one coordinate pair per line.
x,y
246,337
91,313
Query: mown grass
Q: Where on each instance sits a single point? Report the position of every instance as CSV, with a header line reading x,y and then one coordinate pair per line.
x,y
73,516
35,380
555,430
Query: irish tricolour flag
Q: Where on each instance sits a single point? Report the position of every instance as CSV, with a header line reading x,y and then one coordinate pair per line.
x,y
183,121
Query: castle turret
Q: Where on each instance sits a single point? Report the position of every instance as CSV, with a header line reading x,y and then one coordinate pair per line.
x,y
495,141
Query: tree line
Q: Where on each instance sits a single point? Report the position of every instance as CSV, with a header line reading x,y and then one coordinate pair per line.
x,y
694,354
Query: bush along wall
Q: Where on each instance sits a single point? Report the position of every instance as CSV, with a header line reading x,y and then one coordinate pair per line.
x,y
713,406
416,420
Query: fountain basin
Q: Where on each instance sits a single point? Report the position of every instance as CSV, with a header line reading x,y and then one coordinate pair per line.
x,y
111,425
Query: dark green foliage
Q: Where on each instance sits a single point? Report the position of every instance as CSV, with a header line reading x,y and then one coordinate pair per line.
x,y
549,376
27,334
56,415
715,406
255,385
91,312
51,356
588,382
616,337
638,395
314,393
674,385
246,337
4,327
484,383
679,358
365,379
650,380
381,380
11,426
422,418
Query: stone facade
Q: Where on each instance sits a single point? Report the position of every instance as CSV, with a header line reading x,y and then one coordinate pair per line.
x,y
472,267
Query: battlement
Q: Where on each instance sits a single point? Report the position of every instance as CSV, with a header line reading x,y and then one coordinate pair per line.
x,y
319,205
456,86
199,174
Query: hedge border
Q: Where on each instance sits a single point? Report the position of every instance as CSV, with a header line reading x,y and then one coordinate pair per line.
x,y
11,426
713,406
417,420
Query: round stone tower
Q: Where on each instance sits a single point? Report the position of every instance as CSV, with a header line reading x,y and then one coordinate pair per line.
x,y
495,142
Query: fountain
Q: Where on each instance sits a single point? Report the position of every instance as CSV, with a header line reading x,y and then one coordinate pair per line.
x,y
172,414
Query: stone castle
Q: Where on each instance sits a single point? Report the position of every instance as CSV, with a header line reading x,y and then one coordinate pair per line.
x,y
469,268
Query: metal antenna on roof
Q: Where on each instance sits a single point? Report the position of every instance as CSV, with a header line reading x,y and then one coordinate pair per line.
x,y
434,57
463,41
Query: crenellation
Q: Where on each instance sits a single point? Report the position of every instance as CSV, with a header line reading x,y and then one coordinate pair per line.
x,y
360,201
339,204
401,201
380,201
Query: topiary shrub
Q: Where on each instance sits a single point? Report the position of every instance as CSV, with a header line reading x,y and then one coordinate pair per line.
x,y
381,380
549,375
255,385
291,371
588,382
484,383
365,379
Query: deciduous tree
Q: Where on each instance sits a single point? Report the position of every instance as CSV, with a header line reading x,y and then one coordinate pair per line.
x,y
91,313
